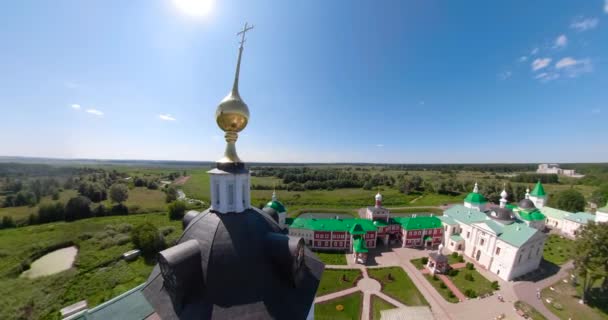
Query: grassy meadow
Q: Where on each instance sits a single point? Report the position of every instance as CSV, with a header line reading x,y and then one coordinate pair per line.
x,y
98,273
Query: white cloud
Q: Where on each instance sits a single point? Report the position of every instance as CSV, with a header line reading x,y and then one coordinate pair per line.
x,y
547,76
584,24
538,64
561,41
534,51
505,75
574,68
523,59
380,145
166,117
95,112
565,62
75,106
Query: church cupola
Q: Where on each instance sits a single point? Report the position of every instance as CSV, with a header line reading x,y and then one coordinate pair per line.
x,y
378,200
503,198
538,195
475,200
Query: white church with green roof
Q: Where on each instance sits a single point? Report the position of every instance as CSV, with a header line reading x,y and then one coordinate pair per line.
x,y
506,239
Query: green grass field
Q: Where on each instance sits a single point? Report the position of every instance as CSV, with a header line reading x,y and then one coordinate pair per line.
x,y
22,213
338,279
379,304
143,200
332,258
444,292
351,308
480,284
565,303
558,250
97,276
398,285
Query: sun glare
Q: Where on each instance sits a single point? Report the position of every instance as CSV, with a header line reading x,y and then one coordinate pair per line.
x,y
194,7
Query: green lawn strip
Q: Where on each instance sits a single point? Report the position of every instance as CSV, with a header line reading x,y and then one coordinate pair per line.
x,y
351,304
334,280
529,310
418,263
378,304
399,286
98,275
558,250
565,303
444,292
480,284
332,258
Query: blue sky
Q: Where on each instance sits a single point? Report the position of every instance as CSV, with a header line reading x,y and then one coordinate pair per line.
x,y
326,81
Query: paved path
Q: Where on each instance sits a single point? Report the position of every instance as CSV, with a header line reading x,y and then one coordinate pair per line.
x,y
526,290
335,295
452,287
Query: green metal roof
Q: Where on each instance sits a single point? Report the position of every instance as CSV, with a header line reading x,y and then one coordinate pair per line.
x,y
580,217
418,223
494,226
517,234
427,237
447,220
277,206
129,305
465,215
538,190
554,213
476,198
288,221
357,229
532,215
359,245
380,223
332,224
456,237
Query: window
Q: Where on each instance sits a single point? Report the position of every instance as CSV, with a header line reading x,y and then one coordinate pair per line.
x,y
468,234
481,242
231,194
519,259
497,250
244,194
217,193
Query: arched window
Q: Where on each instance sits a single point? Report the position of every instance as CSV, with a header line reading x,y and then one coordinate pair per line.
x,y
217,193
230,194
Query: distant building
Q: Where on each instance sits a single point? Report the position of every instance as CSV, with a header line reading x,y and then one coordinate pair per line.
x,y
553,168
568,223
504,239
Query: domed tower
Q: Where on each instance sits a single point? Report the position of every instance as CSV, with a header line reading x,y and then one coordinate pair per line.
x,y
475,200
233,261
538,195
378,200
276,209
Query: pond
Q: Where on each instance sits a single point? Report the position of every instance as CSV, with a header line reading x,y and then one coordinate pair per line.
x,y
321,215
51,263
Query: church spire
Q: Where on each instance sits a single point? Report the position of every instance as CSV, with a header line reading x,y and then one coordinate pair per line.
x,y
503,196
235,85
476,188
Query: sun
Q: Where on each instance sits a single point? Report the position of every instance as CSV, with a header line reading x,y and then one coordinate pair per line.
x,y
194,7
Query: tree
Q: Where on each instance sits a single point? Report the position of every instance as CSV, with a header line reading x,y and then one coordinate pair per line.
x,y
591,256
7,222
148,239
48,212
119,193
177,209
78,207
569,200
170,194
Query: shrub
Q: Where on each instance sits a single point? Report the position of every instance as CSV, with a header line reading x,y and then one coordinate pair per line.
x,y
453,272
470,266
460,259
424,260
451,294
470,293
148,239
120,209
165,231
469,277
557,305
454,254
435,277
495,285
122,239
177,209
100,211
85,236
442,285
7,222
124,227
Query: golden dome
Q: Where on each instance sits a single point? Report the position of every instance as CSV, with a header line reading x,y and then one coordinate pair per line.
x,y
232,113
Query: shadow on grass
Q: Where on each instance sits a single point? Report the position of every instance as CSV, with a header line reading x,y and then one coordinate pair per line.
x,y
598,298
545,270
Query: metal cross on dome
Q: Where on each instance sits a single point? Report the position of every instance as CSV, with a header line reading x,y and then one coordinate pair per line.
x,y
242,33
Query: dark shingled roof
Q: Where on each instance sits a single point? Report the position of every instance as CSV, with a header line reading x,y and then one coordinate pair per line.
x,y
247,270
504,215
526,204
272,213
438,257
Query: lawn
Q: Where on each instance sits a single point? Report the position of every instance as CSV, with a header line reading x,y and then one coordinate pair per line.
x,y
197,187
379,304
529,310
98,275
480,284
398,285
565,304
332,258
417,263
143,200
558,250
351,308
337,280
444,292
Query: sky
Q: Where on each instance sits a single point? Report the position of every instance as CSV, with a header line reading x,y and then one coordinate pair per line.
x,y
417,81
